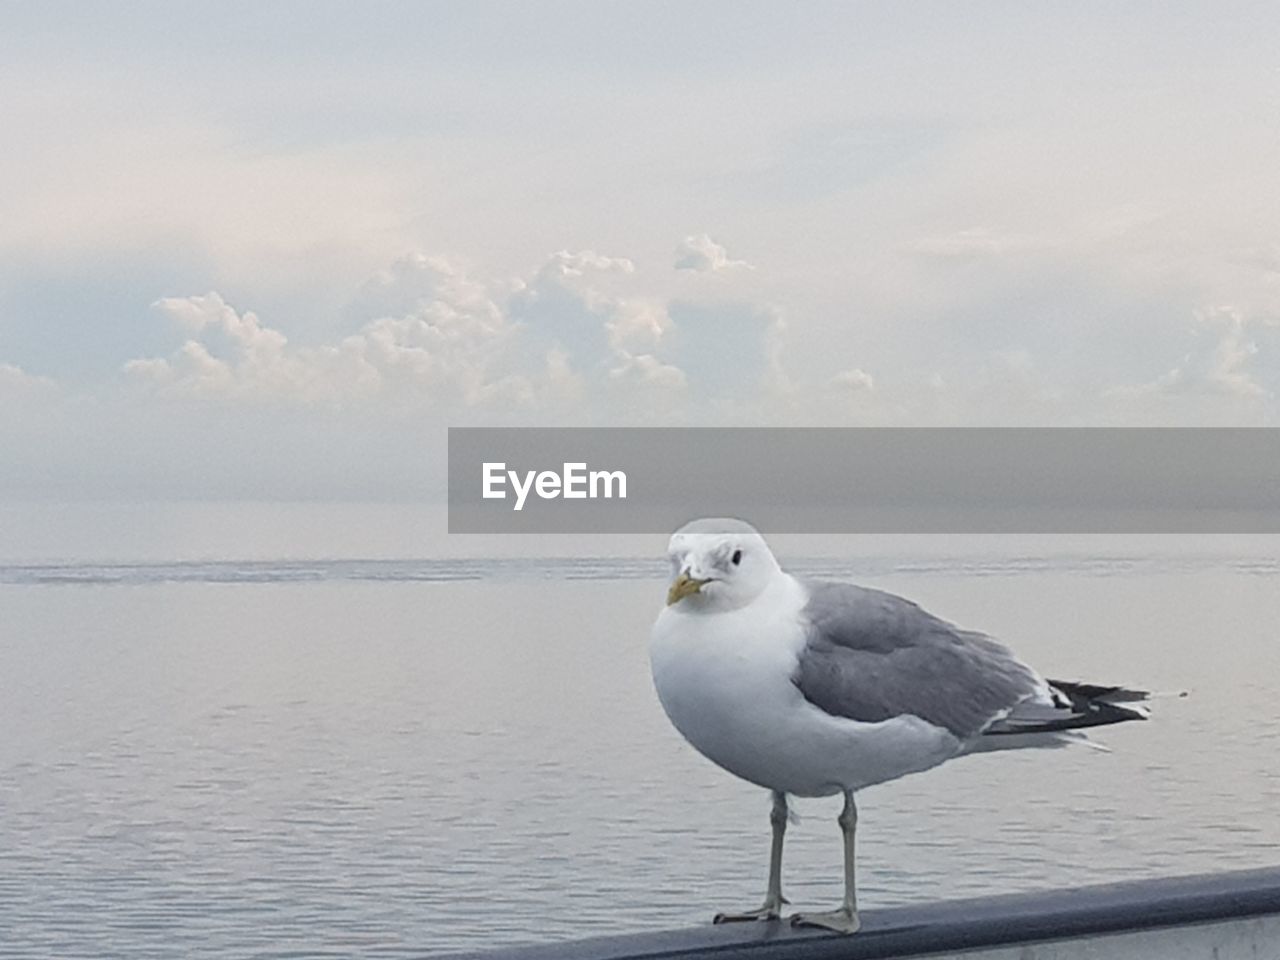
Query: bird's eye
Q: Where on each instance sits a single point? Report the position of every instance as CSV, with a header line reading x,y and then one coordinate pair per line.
x,y
737,557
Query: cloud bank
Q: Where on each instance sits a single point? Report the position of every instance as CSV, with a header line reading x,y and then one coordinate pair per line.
x,y
238,407
578,336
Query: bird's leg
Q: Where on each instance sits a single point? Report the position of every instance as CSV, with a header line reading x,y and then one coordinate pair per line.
x,y
773,899
845,919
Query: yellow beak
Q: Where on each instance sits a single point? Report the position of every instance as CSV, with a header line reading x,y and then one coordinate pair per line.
x,y
683,586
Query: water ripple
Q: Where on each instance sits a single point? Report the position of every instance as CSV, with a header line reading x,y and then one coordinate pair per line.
x,y
438,570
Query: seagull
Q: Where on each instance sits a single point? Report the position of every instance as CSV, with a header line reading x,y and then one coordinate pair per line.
x,y
816,688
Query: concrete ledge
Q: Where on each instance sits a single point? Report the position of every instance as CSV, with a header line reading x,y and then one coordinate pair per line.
x,y
1221,915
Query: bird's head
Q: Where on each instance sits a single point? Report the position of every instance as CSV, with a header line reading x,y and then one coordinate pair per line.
x,y
718,564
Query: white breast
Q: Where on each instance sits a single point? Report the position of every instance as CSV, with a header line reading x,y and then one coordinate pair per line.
x,y
725,680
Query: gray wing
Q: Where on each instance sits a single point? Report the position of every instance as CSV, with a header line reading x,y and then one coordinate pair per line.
x,y
871,656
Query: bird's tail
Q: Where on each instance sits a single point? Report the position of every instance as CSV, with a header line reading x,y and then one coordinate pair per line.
x,y
1072,705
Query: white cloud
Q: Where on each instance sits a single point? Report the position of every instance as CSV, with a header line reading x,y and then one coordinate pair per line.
x,y
637,324
648,370
570,303
1219,364
233,355
567,264
701,254
418,281
440,350
438,338
854,380
15,382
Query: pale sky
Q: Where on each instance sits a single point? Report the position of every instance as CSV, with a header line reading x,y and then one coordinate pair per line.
x,y
271,250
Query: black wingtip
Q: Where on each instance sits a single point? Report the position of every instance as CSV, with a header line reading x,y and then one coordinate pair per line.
x,y
1095,705
1077,705
1096,693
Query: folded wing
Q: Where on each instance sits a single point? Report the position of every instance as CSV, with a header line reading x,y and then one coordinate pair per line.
x,y
872,656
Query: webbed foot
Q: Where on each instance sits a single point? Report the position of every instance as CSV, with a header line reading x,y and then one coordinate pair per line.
x,y
843,920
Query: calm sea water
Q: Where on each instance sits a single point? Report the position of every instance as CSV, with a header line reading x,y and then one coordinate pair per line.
x,y
395,758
